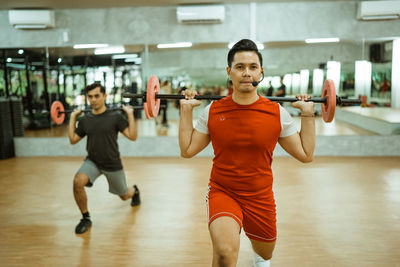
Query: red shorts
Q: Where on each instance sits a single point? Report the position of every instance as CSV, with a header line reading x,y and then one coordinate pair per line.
x,y
257,215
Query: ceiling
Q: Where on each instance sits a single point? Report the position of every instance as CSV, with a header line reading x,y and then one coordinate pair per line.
x,y
63,4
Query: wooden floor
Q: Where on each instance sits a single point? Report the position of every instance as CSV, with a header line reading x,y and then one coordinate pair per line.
x,y
335,211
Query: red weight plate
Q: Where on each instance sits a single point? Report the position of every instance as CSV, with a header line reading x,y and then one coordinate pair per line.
x,y
55,114
328,109
153,104
146,111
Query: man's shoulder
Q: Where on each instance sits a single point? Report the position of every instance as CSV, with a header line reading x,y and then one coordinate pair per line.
x,y
84,118
110,113
265,103
225,101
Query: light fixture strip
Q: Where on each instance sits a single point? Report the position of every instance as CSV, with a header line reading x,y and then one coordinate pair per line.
x,y
175,45
84,46
382,17
109,50
124,56
322,40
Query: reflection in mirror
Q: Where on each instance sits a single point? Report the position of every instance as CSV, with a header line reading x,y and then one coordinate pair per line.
x,y
39,76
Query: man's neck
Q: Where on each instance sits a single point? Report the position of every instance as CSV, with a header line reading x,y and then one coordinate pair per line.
x,y
245,98
100,110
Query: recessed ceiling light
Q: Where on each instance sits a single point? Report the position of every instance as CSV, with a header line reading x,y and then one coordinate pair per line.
x,y
83,46
322,40
175,45
109,50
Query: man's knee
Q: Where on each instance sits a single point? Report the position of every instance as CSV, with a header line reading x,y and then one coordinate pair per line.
x,y
80,180
226,254
125,197
265,256
263,250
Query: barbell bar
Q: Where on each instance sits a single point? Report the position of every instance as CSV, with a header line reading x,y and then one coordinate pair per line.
x,y
339,100
151,98
57,111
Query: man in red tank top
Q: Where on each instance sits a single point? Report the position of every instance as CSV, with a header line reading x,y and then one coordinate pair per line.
x,y
244,128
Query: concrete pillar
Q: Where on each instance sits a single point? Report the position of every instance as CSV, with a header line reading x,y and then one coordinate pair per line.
x,y
395,83
145,67
304,80
333,73
318,81
362,83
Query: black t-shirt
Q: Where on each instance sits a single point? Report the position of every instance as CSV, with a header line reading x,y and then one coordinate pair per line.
x,y
283,88
102,132
270,91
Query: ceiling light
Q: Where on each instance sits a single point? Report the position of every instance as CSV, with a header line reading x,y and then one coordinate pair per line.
x,y
175,45
59,60
380,17
109,50
17,60
20,51
322,40
82,46
123,56
30,26
9,59
137,61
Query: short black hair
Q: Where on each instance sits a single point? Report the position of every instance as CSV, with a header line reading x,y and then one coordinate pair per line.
x,y
94,85
243,45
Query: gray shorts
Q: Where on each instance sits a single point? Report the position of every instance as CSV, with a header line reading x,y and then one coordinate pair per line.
x,y
116,179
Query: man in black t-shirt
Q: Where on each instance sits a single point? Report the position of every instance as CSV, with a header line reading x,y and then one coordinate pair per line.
x,y
281,91
101,128
270,89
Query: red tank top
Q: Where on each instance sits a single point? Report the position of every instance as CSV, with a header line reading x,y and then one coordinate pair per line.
x,y
244,138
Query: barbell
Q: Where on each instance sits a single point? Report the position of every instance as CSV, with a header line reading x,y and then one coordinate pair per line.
x,y
57,111
151,99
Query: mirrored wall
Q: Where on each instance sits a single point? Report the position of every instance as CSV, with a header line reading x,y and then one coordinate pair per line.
x,y
39,76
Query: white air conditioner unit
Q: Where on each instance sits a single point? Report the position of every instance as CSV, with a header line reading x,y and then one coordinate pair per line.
x,y
31,18
378,10
199,14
